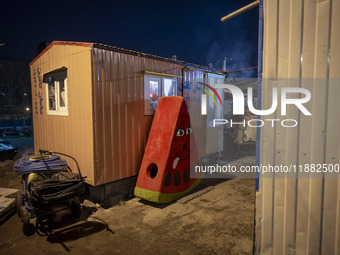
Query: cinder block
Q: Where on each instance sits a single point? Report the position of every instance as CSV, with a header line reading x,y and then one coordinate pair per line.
x,y
112,193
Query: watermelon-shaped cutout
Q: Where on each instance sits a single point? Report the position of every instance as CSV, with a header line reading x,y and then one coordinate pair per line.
x,y
164,175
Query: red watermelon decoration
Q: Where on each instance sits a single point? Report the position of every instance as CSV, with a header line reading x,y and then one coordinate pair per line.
x,y
164,175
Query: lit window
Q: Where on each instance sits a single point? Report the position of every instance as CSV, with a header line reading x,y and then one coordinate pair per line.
x,y
56,82
156,87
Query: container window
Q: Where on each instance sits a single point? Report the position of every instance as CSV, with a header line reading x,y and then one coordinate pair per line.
x,y
154,92
169,86
51,97
57,93
156,87
62,93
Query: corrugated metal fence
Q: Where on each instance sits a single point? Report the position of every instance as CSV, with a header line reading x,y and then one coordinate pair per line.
x,y
302,42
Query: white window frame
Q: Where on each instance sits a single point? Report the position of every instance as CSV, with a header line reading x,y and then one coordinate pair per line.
x,y
59,110
148,109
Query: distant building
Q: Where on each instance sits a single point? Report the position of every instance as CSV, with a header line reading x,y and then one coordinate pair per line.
x,y
15,92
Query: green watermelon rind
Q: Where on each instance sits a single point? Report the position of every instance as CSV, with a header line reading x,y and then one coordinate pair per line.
x,y
161,198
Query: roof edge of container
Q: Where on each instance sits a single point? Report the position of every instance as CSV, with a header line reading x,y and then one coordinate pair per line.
x,y
84,44
146,55
131,52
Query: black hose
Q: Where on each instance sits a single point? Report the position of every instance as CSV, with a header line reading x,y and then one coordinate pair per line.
x,y
51,153
51,190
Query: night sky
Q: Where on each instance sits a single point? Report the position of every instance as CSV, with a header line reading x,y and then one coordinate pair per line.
x,y
191,30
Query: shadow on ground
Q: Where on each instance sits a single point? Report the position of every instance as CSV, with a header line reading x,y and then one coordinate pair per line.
x,y
61,228
76,232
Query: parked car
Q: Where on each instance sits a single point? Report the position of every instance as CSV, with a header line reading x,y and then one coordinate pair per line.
x,y
28,131
9,132
6,150
5,145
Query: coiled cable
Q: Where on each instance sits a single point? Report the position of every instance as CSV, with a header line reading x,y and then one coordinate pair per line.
x,y
39,162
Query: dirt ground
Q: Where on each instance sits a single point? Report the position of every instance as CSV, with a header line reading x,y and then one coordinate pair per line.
x,y
218,222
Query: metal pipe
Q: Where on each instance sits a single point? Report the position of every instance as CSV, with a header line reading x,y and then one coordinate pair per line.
x,y
163,74
246,69
242,10
259,93
224,66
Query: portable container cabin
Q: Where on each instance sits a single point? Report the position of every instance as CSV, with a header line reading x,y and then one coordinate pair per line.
x,y
96,103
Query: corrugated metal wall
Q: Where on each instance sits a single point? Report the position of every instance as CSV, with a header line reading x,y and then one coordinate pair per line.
x,y
120,127
295,215
67,134
192,97
215,142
